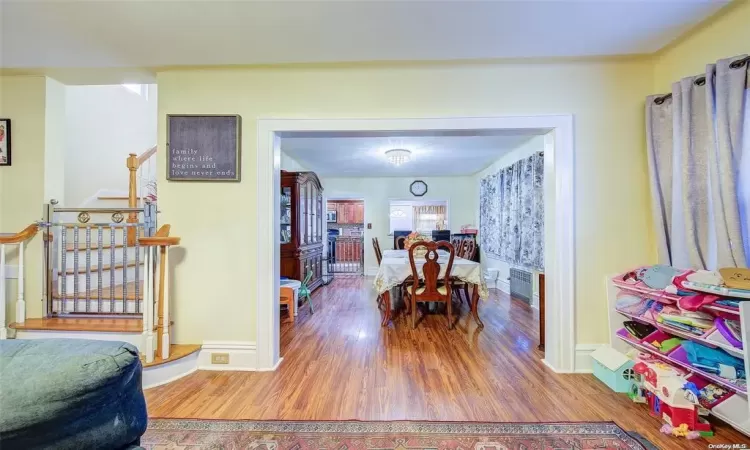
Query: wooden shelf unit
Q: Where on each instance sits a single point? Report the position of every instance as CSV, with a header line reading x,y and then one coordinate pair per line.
x,y
302,227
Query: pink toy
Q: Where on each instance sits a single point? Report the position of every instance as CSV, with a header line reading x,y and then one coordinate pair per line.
x,y
671,397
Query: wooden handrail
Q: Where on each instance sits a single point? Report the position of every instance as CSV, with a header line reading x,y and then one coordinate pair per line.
x,y
146,155
161,238
22,236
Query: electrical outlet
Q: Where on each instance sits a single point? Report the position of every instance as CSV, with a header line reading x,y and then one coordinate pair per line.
x,y
219,358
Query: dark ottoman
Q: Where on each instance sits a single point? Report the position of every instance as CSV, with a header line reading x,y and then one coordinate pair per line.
x,y
70,394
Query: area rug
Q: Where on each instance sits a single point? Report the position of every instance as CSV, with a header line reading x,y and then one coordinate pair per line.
x,y
174,434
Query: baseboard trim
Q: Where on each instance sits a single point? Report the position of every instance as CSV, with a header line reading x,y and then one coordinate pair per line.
x,y
272,369
168,372
503,285
242,355
550,367
583,357
131,338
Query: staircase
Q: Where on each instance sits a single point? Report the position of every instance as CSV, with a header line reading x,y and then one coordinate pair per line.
x,y
105,276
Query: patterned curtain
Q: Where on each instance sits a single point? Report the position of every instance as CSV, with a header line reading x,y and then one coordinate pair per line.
x,y
426,217
511,217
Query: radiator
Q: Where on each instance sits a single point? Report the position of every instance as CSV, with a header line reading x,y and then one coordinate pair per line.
x,y
521,285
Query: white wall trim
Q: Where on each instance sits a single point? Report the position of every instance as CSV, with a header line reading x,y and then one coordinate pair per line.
x,y
583,357
242,355
560,257
131,338
166,373
371,271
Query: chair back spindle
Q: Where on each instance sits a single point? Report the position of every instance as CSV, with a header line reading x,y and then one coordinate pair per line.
x,y
468,249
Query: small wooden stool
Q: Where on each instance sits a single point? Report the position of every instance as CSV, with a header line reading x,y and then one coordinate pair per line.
x,y
286,297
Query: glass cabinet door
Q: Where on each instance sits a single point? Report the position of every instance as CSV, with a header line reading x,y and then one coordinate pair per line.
x,y
303,218
321,219
285,218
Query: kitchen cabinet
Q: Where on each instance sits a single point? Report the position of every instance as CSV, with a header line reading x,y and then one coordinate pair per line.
x,y
350,212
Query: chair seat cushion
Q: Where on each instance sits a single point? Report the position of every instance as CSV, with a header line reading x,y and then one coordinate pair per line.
x,y
420,290
70,394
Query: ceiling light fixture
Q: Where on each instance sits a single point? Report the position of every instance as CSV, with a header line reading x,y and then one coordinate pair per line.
x,y
398,156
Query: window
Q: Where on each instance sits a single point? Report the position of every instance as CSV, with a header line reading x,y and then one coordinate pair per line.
x,y
428,217
422,216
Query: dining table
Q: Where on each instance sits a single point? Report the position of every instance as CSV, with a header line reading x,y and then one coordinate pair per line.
x,y
395,268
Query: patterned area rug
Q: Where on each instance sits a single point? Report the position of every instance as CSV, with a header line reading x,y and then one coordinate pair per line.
x,y
176,434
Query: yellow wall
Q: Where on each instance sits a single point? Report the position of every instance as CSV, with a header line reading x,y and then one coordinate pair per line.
x,y
723,36
214,286
23,100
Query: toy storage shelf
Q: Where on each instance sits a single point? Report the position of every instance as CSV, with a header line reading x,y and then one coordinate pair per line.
x,y
735,410
677,357
711,338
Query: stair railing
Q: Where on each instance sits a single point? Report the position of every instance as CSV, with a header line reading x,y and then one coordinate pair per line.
x,y
157,300
90,268
20,240
142,179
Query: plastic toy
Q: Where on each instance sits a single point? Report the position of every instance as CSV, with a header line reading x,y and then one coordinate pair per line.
x,y
672,398
681,431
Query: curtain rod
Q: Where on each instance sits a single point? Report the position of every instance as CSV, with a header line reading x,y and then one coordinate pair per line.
x,y
700,81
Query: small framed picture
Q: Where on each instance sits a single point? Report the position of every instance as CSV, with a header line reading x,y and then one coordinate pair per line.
x,y
4,142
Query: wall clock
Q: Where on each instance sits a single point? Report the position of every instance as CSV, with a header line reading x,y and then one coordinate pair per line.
x,y
418,188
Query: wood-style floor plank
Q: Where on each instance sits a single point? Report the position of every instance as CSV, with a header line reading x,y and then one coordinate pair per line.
x,y
340,364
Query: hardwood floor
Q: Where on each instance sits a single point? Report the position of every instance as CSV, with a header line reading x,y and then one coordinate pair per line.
x,y
340,364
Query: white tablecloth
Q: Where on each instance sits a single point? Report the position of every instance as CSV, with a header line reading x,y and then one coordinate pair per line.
x,y
395,269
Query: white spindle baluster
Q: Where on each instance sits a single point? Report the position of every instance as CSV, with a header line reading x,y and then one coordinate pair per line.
x,y
3,330
165,335
148,300
21,302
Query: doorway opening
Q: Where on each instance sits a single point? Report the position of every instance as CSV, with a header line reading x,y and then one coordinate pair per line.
x,y
560,239
345,219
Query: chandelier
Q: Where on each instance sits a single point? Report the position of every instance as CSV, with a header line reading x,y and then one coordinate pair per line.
x,y
398,156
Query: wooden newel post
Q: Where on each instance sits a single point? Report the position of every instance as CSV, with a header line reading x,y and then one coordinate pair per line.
x,y
132,163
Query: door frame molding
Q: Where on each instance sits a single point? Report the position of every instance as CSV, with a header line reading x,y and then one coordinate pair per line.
x,y
560,255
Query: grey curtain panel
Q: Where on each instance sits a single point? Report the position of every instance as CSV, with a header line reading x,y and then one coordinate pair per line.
x,y
511,213
695,152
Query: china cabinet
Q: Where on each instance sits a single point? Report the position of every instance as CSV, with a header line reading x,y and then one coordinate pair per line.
x,y
302,223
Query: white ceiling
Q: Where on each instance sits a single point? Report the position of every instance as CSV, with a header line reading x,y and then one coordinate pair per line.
x,y
444,153
109,34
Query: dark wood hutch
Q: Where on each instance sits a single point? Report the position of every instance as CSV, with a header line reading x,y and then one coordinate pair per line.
x,y
302,233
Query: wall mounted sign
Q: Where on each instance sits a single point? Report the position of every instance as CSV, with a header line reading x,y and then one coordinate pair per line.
x,y
203,147
4,142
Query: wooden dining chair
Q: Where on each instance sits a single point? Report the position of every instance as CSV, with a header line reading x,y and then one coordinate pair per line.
x,y
468,250
456,242
379,258
286,297
378,252
431,289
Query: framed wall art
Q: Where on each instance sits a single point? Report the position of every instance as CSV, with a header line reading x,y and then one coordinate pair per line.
x,y
203,147
4,142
